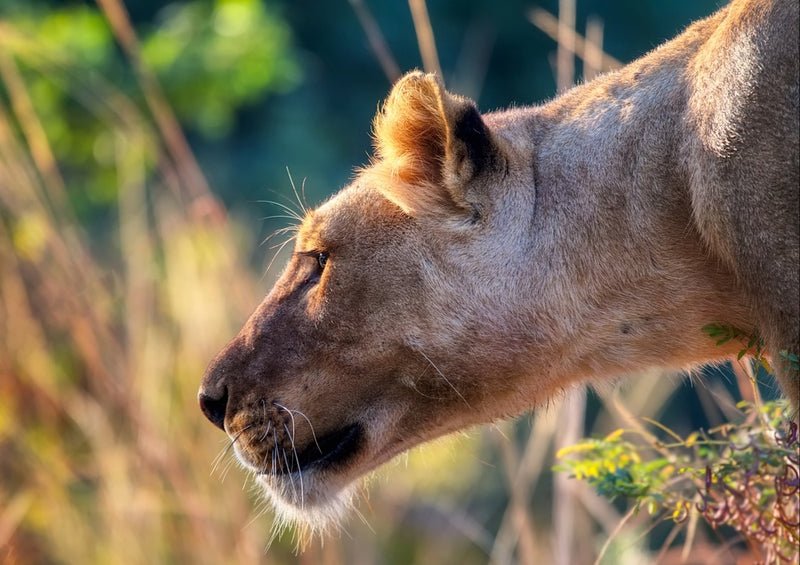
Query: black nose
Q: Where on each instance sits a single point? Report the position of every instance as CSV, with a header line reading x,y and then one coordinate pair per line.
x,y
214,408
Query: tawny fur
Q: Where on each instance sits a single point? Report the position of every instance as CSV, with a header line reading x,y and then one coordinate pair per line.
x,y
483,263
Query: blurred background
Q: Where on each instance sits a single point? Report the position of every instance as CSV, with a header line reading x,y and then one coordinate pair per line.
x,y
143,148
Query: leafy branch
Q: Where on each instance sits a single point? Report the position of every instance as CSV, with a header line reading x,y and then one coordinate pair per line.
x,y
743,475
752,342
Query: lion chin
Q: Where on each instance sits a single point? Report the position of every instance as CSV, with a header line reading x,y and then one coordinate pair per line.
x,y
304,505
311,490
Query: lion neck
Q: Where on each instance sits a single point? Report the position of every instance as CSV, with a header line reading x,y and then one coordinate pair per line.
x,y
617,262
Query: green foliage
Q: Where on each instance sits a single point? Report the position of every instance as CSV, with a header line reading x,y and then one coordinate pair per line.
x,y
742,475
791,361
616,469
211,58
214,57
752,342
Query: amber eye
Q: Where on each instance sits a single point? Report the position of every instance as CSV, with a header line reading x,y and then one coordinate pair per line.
x,y
322,259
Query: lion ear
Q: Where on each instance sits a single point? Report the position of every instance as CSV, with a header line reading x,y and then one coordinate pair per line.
x,y
429,144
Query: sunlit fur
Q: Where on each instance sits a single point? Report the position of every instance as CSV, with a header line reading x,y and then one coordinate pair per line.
x,y
483,264
306,520
414,146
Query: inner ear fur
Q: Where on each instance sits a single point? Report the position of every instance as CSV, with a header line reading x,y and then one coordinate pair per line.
x,y
429,144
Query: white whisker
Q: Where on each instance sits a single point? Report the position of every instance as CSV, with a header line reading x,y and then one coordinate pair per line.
x,y
218,459
289,474
275,452
275,256
445,378
291,414
299,470
295,214
294,189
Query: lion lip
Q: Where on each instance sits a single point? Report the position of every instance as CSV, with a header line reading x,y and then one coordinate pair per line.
x,y
331,449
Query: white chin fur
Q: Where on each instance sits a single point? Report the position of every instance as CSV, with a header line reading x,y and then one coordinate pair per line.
x,y
304,505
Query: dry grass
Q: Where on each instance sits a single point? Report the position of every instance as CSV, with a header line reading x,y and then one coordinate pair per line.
x,y
103,457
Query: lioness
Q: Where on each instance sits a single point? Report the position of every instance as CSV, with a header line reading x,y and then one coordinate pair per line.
x,y
485,262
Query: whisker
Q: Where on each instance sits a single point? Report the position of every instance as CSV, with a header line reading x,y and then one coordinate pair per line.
x,y
289,472
292,433
295,214
445,378
413,386
273,534
218,459
266,417
266,433
363,518
291,414
275,452
304,203
278,217
275,255
227,469
297,460
281,245
363,492
286,229
294,189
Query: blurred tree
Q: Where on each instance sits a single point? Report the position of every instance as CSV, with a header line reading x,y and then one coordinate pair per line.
x,y
212,58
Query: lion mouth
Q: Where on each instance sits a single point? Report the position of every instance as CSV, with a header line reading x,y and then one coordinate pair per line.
x,y
327,451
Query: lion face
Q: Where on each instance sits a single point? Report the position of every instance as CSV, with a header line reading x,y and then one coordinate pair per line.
x,y
365,347
379,334
460,278
350,359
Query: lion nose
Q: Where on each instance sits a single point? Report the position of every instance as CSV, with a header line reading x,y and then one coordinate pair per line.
x,y
217,394
214,408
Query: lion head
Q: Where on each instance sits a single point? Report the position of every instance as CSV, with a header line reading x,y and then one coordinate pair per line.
x,y
389,326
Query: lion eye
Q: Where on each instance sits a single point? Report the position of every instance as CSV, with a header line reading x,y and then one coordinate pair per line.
x,y
322,259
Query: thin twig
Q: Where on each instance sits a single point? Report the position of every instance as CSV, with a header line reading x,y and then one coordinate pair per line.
x,y
593,48
614,534
570,430
376,41
548,23
177,146
33,130
424,31
565,57
517,510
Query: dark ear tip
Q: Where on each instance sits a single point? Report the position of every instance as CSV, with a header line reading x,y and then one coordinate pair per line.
x,y
472,131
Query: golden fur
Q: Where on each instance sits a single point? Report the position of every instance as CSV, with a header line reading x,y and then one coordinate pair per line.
x,y
483,263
